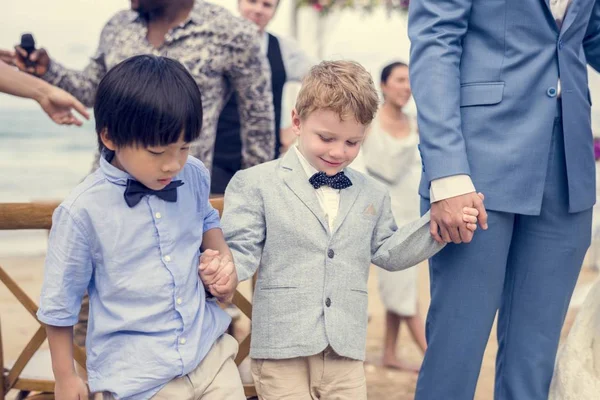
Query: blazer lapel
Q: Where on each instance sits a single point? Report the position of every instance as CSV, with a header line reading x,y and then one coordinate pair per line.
x,y
295,178
549,15
569,17
348,197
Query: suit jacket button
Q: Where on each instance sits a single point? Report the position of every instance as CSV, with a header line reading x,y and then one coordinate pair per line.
x,y
551,92
330,253
328,302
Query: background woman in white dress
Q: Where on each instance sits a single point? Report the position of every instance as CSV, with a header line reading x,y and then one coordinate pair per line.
x,y
577,370
390,155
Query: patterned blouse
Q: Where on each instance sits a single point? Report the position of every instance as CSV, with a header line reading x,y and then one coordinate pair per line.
x,y
221,51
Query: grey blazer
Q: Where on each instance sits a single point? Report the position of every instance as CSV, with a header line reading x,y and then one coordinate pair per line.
x,y
312,282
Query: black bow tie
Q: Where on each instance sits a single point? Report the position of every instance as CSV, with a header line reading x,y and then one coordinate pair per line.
x,y
135,191
337,181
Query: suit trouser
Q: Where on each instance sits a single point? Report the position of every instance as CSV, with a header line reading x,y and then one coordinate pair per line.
x,y
525,267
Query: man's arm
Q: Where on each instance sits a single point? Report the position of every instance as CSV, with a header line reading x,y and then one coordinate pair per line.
x,y
81,84
436,29
591,41
243,224
251,78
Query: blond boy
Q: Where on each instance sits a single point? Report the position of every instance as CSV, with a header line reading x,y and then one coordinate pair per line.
x,y
312,227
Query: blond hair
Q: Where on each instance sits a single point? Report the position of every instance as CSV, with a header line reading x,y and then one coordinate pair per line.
x,y
344,87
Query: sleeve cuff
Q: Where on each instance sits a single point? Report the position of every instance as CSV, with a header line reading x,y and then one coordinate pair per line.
x,y
450,186
53,321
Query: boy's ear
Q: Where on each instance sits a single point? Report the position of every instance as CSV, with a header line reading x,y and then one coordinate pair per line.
x,y
296,122
106,141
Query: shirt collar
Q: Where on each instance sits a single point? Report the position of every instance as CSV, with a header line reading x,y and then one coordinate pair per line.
x,y
264,43
112,173
306,166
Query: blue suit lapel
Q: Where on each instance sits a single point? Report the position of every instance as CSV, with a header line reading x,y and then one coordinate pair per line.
x,y
570,16
295,178
549,14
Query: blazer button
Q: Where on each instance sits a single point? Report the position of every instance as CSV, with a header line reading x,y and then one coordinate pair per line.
x,y
328,302
330,253
551,92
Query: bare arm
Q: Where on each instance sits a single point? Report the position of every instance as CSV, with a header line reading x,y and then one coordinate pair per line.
x,y
69,386
54,101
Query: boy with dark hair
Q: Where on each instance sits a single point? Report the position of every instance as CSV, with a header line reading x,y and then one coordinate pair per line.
x,y
131,235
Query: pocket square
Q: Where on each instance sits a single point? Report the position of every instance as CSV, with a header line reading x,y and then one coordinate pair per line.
x,y
370,210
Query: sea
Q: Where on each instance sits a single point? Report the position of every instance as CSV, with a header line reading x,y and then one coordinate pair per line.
x,y
39,161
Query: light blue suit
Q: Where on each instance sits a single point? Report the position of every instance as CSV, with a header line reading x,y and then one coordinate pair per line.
x,y
484,74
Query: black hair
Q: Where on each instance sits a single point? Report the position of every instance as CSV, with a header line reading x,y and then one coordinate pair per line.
x,y
146,101
387,70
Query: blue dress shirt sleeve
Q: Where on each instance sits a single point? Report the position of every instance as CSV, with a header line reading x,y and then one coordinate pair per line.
x,y
68,271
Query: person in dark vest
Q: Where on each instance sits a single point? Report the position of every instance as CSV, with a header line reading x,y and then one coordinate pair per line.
x,y
288,63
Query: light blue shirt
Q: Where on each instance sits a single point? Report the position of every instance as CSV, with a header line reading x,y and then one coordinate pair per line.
x,y
149,318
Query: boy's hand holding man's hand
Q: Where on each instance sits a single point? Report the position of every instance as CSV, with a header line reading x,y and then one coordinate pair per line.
x,y
218,274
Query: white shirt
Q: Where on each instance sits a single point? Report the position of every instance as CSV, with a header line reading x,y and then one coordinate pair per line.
x,y
295,61
456,185
329,198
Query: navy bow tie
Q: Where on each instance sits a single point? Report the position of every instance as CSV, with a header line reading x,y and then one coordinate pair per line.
x,y
135,191
337,181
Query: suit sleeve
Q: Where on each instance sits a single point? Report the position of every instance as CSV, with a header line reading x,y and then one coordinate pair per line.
x,y
436,29
394,248
591,41
243,225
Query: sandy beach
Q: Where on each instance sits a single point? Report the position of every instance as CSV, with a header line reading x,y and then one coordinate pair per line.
x,y
18,327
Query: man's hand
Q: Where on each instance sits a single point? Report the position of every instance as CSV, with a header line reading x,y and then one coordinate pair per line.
x,y
39,58
59,104
71,387
447,224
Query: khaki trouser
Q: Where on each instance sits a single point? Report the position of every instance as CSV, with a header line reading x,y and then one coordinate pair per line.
x,y
216,378
323,376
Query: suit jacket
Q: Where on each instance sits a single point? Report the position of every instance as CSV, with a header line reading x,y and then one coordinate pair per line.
x,y
484,74
312,282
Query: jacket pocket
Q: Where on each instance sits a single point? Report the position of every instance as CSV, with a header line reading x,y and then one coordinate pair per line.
x,y
277,287
479,94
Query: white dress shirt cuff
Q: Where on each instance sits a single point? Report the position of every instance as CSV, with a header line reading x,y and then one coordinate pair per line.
x,y
450,186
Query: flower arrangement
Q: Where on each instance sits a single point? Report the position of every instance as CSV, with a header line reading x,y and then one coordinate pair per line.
x,y
325,6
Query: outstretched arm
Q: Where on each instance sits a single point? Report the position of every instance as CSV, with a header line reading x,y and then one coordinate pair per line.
x,y
57,103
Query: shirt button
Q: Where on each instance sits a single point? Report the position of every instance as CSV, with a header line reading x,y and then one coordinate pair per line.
x,y
158,216
551,92
330,253
328,302
182,340
167,258
179,301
